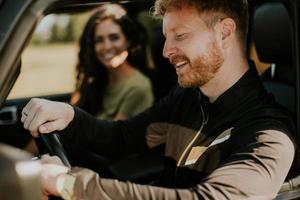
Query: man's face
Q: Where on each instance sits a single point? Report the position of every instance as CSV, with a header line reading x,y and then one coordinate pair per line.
x,y
191,46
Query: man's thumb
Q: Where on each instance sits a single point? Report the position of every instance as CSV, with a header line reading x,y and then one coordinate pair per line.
x,y
48,127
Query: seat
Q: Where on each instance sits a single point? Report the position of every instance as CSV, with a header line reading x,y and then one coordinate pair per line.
x,y
272,36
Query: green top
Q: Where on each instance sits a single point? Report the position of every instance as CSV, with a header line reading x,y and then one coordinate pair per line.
x,y
129,97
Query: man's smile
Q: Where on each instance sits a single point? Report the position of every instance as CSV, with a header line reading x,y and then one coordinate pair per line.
x,y
180,64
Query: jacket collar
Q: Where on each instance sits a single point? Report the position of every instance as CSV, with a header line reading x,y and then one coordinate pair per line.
x,y
245,93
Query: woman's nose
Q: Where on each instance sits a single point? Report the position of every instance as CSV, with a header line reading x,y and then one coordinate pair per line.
x,y
107,44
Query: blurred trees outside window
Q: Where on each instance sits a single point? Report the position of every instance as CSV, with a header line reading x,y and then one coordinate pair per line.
x,y
48,62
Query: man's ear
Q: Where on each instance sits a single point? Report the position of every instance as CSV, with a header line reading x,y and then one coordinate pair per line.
x,y
227,28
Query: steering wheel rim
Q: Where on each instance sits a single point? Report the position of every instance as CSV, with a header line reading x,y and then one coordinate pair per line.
x,y
51,144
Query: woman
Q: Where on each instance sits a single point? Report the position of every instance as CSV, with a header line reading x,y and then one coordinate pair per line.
x,y
108,82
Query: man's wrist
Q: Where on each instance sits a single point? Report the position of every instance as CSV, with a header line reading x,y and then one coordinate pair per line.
x,y
65,186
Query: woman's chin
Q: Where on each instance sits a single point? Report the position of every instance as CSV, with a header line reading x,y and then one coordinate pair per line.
x,y
112,67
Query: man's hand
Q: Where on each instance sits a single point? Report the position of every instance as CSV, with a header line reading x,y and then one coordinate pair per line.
x,y
44,116
52,176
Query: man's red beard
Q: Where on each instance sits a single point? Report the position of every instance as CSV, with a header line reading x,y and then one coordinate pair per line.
x,y
202,69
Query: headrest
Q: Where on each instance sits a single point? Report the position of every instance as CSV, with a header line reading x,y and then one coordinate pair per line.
x,y
272,33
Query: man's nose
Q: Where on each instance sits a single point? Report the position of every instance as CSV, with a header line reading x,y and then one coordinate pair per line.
x,y
169,49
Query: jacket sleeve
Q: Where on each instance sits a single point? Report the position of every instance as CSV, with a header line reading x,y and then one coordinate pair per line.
x,y
113,138
255,171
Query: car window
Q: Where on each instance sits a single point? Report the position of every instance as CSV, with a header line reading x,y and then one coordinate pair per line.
x,y
48,63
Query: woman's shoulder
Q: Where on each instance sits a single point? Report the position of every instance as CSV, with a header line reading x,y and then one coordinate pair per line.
x,y
139,80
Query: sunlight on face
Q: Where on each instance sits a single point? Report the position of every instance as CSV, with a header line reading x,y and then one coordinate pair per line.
x,y
201,69
191,47
110,44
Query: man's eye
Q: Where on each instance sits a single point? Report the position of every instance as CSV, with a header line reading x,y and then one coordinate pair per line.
x,y
180,36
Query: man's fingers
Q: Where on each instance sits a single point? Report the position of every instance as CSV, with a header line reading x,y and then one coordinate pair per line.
x,y
37,116
26,114
44,116
46,159
49,177
27,109
32,123
29,119
30,116
29,125
39,119
50,126
23,118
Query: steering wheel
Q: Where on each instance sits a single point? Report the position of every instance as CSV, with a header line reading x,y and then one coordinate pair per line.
x,y
50,144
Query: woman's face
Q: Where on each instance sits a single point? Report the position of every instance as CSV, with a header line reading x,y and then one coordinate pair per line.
x,y
110,44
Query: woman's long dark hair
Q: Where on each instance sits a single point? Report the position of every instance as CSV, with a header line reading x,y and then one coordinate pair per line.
x,y
92,76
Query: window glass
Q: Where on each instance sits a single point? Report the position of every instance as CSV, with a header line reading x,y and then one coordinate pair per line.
x,y
48,63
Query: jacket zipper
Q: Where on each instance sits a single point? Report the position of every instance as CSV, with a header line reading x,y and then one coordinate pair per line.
x,y
189,146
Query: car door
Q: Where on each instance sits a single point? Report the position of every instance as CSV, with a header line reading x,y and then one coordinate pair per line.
x,y
47,71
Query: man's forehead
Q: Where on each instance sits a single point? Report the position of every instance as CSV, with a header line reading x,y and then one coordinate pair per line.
x,y
191,14
183,15
192,11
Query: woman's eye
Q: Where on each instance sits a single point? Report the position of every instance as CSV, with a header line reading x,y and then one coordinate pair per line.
x,y
114,37
98,40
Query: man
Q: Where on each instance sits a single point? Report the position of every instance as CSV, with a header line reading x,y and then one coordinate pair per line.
x,y
225,136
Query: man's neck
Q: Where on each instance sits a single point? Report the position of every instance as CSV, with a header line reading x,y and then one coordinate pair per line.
x,y
229,73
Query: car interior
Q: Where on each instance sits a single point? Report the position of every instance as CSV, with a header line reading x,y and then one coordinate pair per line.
x,y
280,78
273,30
275,49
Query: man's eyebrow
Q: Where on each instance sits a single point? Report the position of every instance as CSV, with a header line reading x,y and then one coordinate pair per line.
x,y
170,30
